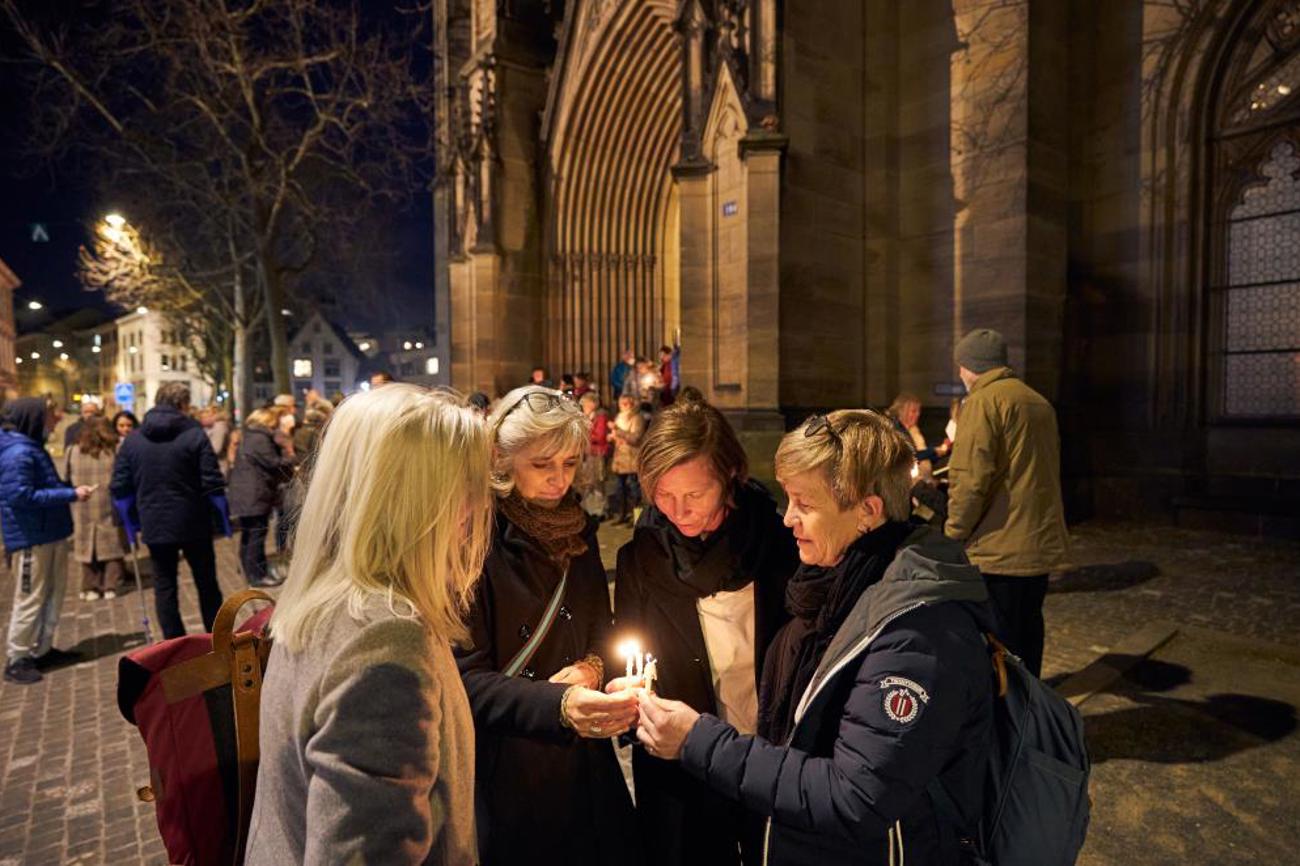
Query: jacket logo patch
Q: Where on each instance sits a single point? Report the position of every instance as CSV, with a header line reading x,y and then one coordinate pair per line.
x,y
903,699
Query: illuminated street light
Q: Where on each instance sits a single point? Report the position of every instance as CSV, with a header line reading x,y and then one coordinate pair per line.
x,y
63,356
286,312
34,305
407,345
142,310
419,345
58,344
36,356
18,360
95,349
365,347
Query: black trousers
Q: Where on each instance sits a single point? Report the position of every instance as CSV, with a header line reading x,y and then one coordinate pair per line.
x,y
252,547
1018,603
203,564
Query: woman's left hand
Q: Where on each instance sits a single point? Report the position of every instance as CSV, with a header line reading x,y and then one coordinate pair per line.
x,y
578,674
664,725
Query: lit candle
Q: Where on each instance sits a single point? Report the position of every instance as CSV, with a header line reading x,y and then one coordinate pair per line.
x,y
651,672
640,663
629,650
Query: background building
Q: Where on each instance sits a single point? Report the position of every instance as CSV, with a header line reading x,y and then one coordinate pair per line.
x,y
823,202
324,358
151,352
8,369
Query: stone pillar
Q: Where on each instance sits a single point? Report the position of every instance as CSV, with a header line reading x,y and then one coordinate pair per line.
x,y
696,233
762,155
1009,165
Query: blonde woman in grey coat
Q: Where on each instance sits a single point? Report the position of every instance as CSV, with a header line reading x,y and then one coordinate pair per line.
x,y
367,742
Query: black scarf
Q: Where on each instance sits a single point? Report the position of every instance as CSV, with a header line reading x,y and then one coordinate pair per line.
x,y
819,599
726,561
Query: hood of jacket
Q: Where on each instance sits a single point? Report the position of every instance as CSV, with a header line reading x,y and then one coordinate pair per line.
x,y
928,569
165,423
26,416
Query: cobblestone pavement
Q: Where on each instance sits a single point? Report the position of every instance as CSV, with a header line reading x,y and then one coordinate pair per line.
x,y
70,765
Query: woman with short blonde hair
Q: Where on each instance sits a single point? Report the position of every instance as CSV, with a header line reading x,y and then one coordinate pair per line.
x,y
367,737
879,686
550,788
702,584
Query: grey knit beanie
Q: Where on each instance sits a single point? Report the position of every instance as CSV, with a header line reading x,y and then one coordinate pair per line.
x,y
981,350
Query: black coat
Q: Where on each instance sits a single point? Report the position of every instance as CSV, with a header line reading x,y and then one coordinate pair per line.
x,y
543,795
681,820
903,695
259,472
171,469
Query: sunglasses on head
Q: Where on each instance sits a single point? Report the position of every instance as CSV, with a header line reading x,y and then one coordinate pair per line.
x,y
540,402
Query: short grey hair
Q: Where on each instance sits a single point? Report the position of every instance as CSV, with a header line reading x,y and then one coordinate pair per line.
x,y
516,426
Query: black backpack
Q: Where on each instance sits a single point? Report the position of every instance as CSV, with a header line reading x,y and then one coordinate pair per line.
x,y
1036,803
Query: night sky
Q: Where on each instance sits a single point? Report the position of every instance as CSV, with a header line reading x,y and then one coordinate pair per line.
x,y
61,198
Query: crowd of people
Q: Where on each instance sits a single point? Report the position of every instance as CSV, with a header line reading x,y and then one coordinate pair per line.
x,y
444,681
166,485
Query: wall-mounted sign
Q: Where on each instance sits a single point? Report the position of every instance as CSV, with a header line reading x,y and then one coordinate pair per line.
x,y
730,208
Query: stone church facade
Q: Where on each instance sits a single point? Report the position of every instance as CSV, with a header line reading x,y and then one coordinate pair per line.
x,y
817,197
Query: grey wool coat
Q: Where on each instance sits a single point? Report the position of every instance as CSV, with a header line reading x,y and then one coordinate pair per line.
x,y
94,536
367,750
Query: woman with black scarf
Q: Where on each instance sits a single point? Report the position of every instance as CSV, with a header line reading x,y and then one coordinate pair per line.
x,y
548,786
877,698
701,587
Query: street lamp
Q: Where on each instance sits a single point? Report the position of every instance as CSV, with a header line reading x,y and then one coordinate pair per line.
x,y
34,305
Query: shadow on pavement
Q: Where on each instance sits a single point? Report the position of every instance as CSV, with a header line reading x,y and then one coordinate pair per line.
x,y
99,646
1104,577
1177,731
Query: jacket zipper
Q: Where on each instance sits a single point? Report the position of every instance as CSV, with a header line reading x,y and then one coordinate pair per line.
x,y
808,696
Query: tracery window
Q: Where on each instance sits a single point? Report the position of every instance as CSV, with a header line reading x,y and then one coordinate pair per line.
x,y
1254,323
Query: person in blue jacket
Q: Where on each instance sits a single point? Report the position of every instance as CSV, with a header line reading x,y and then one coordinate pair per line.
x,y
37,522
877,697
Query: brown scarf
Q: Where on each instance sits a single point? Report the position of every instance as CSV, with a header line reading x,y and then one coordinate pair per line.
x,y
558,530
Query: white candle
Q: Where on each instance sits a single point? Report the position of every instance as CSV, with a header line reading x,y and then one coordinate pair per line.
x,y
651,672
629,649
640,663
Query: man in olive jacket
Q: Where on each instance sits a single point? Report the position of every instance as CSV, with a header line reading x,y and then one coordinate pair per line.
x,y
1004,498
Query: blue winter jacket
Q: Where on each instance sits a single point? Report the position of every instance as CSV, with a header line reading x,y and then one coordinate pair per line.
x,y
902,696
33,499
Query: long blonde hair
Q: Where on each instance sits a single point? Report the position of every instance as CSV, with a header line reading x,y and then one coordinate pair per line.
x,y
398,512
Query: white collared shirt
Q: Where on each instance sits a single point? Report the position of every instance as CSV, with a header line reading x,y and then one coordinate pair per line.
x,y
727,620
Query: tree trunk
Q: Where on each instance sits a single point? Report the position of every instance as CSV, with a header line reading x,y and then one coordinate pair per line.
x,y
273,292
241,390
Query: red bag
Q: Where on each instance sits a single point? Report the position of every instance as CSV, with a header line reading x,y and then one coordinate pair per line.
x,y
195,701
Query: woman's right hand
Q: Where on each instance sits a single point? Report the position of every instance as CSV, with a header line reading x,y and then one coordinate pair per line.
x,y
598,716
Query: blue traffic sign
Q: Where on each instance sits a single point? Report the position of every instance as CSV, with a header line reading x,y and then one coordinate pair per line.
x,y
124,392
